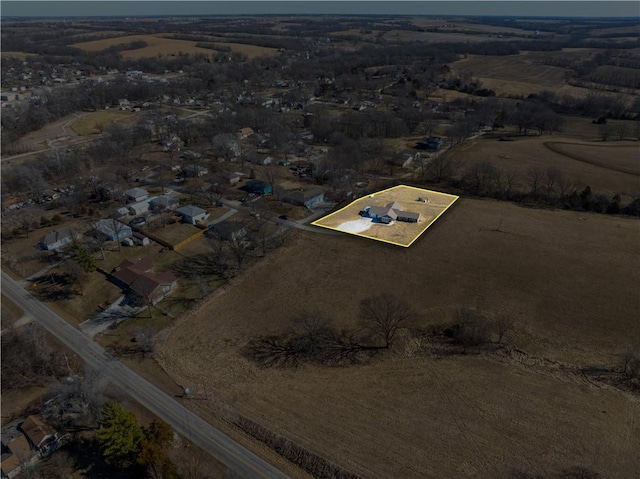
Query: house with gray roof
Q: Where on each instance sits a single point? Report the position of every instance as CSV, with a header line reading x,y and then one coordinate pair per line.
x,y
302,197
110,229
56,239
388,213
192,214
136,194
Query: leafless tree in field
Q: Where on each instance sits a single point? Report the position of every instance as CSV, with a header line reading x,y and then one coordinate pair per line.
x,y
383,314
502,325
631,361
536,177
470,328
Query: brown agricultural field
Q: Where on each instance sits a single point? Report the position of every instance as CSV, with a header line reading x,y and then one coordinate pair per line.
x,y
405,415
599,166
159,45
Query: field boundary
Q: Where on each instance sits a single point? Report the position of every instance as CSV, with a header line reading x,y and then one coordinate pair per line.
x,y
553,146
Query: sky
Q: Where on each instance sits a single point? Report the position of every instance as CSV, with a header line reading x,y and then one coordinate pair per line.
x,y
571,8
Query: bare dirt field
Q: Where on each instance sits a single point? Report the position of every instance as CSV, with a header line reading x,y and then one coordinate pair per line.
x,y
160,45
348,220
523,154
465,416
515,68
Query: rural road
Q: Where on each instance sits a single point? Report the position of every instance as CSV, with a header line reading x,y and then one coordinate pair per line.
x,y
240,460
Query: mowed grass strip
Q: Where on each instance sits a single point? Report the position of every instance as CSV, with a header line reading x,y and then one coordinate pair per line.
x,y
458,417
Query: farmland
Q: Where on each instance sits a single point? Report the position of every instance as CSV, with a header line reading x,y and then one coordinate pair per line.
x,y
496,257
604,167
159,45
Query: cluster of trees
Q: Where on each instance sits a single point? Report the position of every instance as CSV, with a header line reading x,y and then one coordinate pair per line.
x,y
27,359
313,338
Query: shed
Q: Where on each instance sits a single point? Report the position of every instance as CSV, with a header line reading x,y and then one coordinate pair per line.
x,y
140,239
192,214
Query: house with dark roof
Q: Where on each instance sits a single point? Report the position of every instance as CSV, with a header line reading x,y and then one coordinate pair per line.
x,y
258,187
302,197
192,214
164,202
227,230
56,239
138,279
388,213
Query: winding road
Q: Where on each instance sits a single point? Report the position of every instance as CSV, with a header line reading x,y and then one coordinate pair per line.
x,y
239,459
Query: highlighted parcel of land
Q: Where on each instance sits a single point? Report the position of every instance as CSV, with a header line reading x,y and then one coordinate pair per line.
x,y
397,215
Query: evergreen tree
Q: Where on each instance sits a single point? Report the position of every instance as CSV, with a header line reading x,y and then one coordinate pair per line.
x,y
119,435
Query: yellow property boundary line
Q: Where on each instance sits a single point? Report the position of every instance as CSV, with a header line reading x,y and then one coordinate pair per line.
x,y
454,198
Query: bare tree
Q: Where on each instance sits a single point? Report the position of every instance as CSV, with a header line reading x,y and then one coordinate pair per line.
x,y
631,361
383,314
536,177
470,328
502,325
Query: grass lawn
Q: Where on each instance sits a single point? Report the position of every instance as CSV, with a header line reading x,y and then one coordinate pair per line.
x,y
96,123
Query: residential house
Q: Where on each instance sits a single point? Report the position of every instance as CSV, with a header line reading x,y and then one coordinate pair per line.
x,y
138,279
258,187
388,213
243,133
38,432
134,195
121,212
193,170
404,158
164,202
433,143
111,229
141,206
56,239
192,214
228,230
259,158
308,198
234,178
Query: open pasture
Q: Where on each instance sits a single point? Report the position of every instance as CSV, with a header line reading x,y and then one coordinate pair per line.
x,y
160,45
599,165
513,68
472,416
429,204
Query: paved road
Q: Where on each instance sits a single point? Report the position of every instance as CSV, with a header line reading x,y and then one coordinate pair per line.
x,y
223,448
